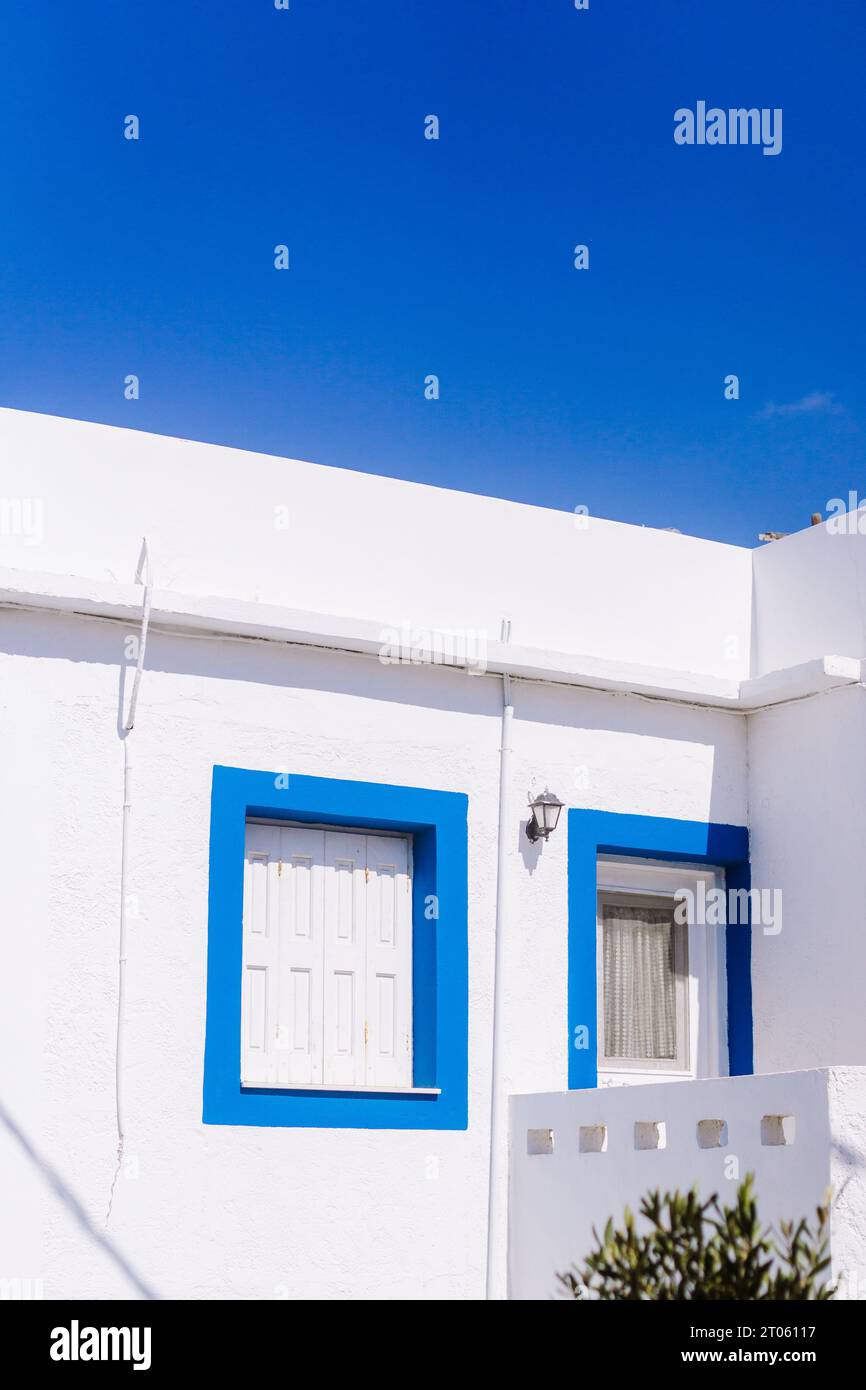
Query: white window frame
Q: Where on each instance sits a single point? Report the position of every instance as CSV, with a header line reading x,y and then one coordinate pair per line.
x,y
706,984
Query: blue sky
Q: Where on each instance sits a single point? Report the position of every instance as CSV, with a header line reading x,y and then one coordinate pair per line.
x,y
602,389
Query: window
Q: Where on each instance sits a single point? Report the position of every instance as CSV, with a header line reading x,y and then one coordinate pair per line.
x,y
660,973
332,904
327,959
636,854
644,1000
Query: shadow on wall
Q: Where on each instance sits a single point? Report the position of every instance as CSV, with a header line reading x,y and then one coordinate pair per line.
x,y
72,1204
295,668
530,851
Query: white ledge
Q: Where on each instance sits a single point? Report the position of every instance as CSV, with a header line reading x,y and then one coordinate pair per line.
x,y
341,1090
796,682
25,589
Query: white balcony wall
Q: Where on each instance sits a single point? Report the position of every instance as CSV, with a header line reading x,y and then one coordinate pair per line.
x,y
576,1160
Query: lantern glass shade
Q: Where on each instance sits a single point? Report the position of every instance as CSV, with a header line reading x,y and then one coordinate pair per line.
x,y
550,815
545,815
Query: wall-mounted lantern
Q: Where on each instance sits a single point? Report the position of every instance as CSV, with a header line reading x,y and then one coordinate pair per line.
x,y
545,814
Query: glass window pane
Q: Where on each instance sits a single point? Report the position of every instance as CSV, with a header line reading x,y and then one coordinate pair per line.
x,y
639,964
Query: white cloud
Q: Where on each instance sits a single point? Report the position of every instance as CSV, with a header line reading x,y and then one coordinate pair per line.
x,y
815,403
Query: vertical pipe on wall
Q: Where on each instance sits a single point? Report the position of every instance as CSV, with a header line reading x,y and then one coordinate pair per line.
x,y
497,1174
121,956
142,575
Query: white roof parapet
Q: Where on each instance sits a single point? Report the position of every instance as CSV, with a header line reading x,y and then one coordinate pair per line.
x,y
227,617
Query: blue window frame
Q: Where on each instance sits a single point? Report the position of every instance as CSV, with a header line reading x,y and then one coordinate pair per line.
x,y
591,833
437,822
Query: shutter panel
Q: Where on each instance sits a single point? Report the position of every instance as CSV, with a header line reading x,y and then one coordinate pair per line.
x,y
260,954
298,1030
327,959
389,963
345,904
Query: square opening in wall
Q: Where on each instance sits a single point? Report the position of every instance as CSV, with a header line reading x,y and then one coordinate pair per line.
x,y
650,1134
777,1130
712,1134
593,1139
539,1141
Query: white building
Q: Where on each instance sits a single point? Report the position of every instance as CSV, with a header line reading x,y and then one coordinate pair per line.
x,y
310,881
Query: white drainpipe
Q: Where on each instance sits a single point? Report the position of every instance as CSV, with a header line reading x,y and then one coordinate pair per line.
x,y
142,575
498,1170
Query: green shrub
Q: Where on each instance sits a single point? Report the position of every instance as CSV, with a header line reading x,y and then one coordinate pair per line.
x,y
704,1251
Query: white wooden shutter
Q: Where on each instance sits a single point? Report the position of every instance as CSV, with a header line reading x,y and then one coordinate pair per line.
x,y
298,1034
281,1005
345,942
260,954
389,963
327,959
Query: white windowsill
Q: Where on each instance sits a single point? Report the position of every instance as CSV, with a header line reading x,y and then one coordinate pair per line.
x,y
640,1078
341,1090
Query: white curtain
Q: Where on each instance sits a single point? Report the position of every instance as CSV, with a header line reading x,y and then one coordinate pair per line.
x,y
640,1010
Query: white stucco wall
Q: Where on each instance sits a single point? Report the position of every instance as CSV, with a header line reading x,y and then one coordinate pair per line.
x,y
369,547
248,1212
807,774
810,595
